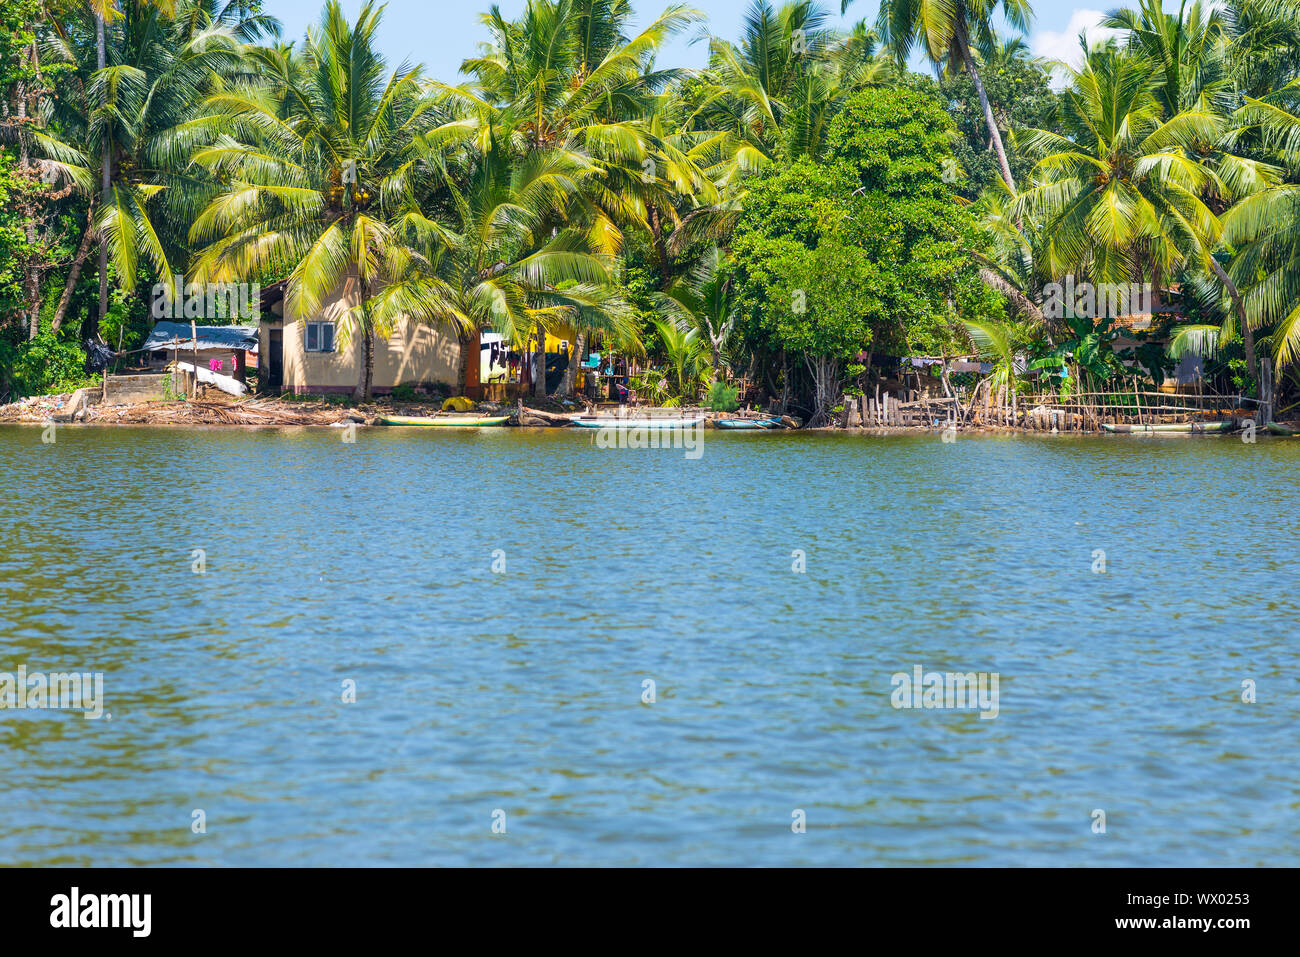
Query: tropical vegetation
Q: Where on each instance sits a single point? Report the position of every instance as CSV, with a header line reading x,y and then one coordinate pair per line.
x,y
801,208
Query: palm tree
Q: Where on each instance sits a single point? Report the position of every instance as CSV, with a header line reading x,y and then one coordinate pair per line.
x,y
1122,191
995,342
1261,44
567,79
1010,263
316,159
777,90
703,301
1265,229
949,30
1004,53
687,371
165,59
1187,49
497,265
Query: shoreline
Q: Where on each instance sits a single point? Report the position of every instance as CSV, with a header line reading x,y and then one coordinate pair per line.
x,y
84,408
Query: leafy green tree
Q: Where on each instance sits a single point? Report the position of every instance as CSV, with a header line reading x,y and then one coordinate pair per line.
x,y
1020,96
898,146
865,252
949,32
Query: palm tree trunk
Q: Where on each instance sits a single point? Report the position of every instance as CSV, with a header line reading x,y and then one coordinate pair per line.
x,y
575,357
369,379
32,277
539,386
101,59
1247,334
462,374
367,346
994,135
32,288
78,261
661,248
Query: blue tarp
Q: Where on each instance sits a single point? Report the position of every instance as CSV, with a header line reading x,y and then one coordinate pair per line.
x,y
165,334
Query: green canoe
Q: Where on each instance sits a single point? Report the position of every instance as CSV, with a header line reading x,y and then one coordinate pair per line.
x,y
443,421
748,424
1172,428
1278,429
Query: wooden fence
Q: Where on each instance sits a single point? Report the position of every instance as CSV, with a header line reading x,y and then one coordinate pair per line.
x,y
989,405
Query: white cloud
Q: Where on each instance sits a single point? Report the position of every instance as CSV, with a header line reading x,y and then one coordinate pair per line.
x,y
1064,45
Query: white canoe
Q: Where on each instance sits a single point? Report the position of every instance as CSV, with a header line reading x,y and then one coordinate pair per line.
x,y
635,422
225,383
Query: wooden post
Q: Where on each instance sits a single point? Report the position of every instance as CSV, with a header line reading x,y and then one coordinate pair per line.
x,y
1265,410
194,347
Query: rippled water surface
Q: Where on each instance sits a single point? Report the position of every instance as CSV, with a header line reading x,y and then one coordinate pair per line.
x,y
522,691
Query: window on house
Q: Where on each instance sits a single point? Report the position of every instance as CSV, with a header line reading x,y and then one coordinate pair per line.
x,y
320,337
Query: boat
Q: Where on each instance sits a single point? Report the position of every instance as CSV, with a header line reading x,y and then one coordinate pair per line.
x,y
1277,428
634,422
1175,428
748,424
444,421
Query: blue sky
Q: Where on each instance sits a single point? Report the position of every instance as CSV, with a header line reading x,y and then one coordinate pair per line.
x,y
441,33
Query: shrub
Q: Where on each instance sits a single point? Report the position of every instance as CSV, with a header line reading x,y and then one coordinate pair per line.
x,y
44,366
723,397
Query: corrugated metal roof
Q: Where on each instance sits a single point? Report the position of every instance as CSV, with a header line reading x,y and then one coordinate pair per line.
x,y
166,334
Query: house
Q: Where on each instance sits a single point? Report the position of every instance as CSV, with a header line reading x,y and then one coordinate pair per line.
x,y
321,355
229,350
1136,329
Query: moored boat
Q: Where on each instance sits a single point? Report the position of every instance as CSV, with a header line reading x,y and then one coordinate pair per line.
x,y
748,424
1172,428
444,421
634,422
1277,428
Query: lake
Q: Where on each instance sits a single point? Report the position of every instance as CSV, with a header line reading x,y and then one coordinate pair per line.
x,y
497,603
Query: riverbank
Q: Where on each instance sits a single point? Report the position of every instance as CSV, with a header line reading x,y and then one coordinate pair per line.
x,y
217,409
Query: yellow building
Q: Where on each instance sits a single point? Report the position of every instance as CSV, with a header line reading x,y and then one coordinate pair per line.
x,y
319,356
